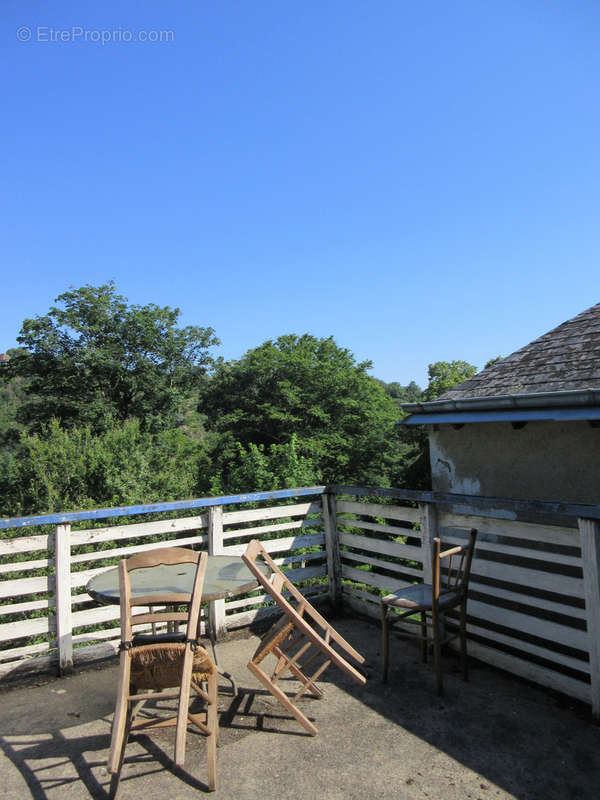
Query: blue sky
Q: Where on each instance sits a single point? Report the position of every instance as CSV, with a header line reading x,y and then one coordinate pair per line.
x,y
418,180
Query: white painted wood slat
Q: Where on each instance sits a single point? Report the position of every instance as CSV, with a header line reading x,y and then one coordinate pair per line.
x,y
527,599
557,584
401,513
26,566
280,545
524,623
258,531
589,531
483,546
530,671
26,544
32,605
139,529
376,527
23,586
528,647
373,579
383,547
27,627
20,652
95,616
550,534
125,552
273,512
377,562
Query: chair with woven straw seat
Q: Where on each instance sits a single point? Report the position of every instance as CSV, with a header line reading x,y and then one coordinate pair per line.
x,y
426,605
301,638
161,665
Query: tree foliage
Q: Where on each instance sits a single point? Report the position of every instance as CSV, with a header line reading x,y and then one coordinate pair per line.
x,y
492,361
311,389
94,358
443,375
59,469
279,466
411,393
107,403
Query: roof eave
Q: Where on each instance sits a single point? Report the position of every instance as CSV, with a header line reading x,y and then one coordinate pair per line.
x,y
574,397
516,408
574,414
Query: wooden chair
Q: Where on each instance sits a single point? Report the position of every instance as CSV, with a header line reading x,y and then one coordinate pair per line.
x,y
300,639
164,665
450,582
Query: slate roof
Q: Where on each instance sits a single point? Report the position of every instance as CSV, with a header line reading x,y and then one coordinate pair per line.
x,y
566,358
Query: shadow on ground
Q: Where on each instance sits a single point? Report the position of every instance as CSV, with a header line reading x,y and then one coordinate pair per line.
x,y
494,737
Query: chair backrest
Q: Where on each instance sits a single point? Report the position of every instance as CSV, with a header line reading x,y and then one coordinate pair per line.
x,y
452,567
297,608
166,601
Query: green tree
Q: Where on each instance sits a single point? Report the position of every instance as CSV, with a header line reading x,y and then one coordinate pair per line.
x,y
262,469
310,388
95,358
12,396
411,393
492,361
443,375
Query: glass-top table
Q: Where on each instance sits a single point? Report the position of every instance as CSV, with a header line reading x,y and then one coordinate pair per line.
x,y
226,576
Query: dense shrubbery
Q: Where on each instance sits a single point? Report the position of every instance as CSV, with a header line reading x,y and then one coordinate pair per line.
x,y
60,469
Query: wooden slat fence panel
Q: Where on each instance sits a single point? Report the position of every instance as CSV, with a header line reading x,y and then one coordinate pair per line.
x,y
293,532
531,599
381,550
527,599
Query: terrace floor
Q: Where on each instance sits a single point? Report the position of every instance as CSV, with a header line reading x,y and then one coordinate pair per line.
x,y
495,737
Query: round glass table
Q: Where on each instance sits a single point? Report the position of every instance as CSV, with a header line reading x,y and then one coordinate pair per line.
x,y
226,576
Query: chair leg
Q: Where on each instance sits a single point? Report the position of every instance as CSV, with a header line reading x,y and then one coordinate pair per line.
x,y
424,637
437,653
117,742
115,777
282,697
212,723
463,641
385,643
183,707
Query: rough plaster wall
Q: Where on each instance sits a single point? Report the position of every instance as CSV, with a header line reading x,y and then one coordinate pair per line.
x,y
543,460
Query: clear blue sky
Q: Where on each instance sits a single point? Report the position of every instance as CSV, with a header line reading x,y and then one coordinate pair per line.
x,y
419,180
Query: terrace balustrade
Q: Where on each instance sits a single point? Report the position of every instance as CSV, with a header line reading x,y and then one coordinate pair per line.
x,y
534,606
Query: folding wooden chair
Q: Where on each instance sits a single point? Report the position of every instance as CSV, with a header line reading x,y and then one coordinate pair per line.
x,y
426,604
300,639
164,665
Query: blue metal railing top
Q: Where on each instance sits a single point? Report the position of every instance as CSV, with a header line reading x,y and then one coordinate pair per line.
x,y
155,508
503,507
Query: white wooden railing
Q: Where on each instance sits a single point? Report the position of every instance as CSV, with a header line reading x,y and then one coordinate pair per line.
x,y
534,606
44,598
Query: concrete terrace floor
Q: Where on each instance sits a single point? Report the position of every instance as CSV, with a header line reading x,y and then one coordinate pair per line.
x,y
495,737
